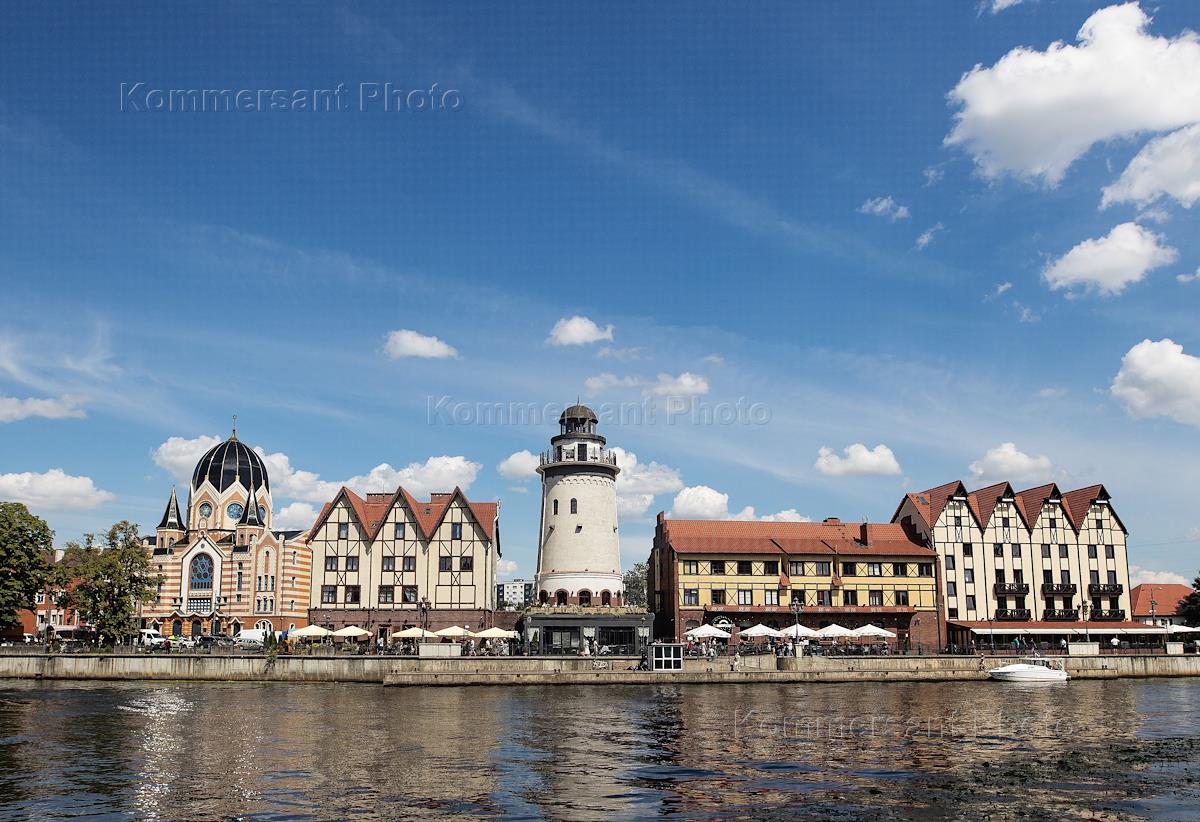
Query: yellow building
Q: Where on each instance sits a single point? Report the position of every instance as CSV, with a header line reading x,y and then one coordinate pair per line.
x,y
738,573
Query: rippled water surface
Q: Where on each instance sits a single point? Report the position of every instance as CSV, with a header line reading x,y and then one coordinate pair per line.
x,y
1109,750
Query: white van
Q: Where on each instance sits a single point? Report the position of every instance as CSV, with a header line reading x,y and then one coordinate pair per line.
x,y
251,639
152,639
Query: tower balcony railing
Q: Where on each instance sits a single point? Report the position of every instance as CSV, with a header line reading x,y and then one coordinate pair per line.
x,y
1058,589
1105,588
558,456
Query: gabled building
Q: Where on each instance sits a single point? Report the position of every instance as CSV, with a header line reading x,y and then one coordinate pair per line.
x,y
1159,603
1037,560
386,561
223,566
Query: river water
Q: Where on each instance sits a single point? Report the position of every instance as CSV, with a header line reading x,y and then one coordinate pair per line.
x,y
1120,749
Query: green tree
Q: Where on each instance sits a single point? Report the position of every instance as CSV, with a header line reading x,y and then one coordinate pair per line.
x,y
107,579
1189,609
635,585
26,544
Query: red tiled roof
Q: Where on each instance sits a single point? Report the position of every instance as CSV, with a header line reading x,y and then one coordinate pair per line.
x,y
1078,502
756,537
938,497
1167,598
372,511
982,502
1032,500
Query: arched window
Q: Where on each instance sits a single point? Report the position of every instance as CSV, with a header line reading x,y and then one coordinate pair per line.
x,y
574,507
195,627
544,597
605,598
585,597
216,626
560,597
177,628
555,506
200,573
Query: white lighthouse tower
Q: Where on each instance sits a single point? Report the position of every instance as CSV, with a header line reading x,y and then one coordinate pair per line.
x,y
579,555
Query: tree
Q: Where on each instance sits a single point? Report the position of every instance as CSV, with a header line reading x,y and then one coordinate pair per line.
x,y
106,580
635,585
1189,609
26,544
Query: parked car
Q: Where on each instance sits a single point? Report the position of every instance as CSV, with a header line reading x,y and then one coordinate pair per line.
x,y
30,639
251,639
182,643
220,641
152,639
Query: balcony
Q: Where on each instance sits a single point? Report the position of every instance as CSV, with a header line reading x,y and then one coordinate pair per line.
x,y
1012,614
1105,589
1050,589
557,456
1019,589
1108,614
1061,614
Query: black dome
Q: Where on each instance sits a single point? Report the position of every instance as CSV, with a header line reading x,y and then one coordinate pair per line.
x,y
229,462
578,412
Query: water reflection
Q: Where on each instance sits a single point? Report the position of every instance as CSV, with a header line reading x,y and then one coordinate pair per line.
x,y
203,751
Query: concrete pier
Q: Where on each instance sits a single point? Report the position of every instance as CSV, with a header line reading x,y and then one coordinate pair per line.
x,y
408,671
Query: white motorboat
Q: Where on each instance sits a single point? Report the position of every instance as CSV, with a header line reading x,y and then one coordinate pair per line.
x,y
1032,669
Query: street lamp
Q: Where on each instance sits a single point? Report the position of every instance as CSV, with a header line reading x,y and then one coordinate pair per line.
x,y
797,609
1084,607
992,632
423,606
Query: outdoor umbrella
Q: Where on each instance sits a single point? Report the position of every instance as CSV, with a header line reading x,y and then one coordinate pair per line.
x,y
798,632
707,632
834,631
311,632
761,630
414,633
873,631
351,632
455,632
497,633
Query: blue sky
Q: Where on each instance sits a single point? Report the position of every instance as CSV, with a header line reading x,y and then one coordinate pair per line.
x,y
809,212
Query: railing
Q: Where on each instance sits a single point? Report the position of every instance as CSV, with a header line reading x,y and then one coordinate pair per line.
x,y
1061,614
1108,615
1011,614
1105,588
1053,588
602,456
1018,588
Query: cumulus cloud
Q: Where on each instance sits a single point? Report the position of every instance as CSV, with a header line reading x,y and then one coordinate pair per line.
x,y
1006,462
1166,166
1157,379
884,207
1188,278
1034,112
68,406
297,516
179,455
578,330
601,383
926,236
858,460
521,465
53,490
714,359
639,483
702,502
997,6
1108,264
1145,576
686,384
506,569
405,343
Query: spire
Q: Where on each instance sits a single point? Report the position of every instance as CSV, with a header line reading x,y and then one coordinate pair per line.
x,y
172,520
233,433
250,512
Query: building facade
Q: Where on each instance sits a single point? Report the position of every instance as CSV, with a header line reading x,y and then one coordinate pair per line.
x,y
1024,561
1159,603
514,594
386,561
738,573
222,565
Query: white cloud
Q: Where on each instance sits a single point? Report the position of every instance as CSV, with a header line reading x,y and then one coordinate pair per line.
x,y
59,408
1005,462
714,359
419,479
608,352
1026,314
999,289
1052,393
52,490
601,383
702,502
520,465
1157,379
884,207
932,175
1108,264
686,384
858,460
926,236
1188,278
1168,165
297,516
1153,215
639,483
506,569
997,6
1034,113
1144,576
178,456
578,330
406,343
